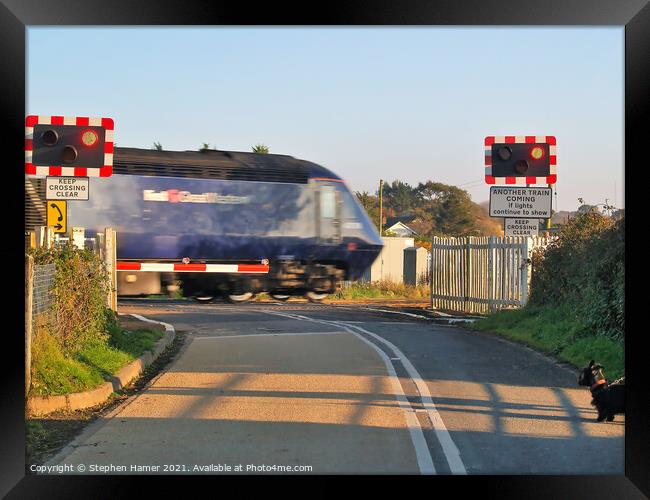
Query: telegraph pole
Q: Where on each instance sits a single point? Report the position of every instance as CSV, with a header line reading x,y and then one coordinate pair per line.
x,y
381,207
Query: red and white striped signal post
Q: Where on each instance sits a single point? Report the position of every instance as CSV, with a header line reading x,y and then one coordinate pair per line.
x,y
69,146
521,160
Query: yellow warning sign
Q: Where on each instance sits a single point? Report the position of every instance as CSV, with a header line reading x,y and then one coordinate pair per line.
x,y
57,215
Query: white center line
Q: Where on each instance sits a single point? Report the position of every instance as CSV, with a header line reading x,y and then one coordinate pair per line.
x,y
422,453
449,448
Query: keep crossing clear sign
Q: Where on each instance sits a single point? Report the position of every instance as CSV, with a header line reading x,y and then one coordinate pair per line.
x,y
67,188
521,227
520,202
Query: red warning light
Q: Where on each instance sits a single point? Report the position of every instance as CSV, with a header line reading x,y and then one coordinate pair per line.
x,y
89,138
537,153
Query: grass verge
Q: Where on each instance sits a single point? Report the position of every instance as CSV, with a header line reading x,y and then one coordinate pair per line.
x,y
558,332
380,290
54,373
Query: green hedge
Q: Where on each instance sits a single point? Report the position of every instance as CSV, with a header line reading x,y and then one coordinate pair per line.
x,y
81,344
584,269
79,313
576,310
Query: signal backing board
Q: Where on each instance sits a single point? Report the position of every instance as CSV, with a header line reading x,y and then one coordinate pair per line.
x,y
542,160
69,146
520,202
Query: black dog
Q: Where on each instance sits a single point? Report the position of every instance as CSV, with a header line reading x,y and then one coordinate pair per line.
x,y
608,398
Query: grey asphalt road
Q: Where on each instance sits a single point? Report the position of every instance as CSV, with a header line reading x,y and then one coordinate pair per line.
x,y
340,389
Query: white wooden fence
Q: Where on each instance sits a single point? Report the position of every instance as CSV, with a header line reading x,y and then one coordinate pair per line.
x,y
481,274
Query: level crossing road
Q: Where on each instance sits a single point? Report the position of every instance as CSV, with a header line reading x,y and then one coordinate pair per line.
x,y
308,388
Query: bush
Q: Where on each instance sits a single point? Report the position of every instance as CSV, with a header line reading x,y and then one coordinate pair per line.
x,y
81,344
79,313
584,269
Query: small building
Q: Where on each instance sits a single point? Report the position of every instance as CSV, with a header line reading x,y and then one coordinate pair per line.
x,y
399,226
389,264
400,229
416,266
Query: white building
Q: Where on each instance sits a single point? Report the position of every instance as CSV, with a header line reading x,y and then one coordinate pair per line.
x,y
401,229
389,264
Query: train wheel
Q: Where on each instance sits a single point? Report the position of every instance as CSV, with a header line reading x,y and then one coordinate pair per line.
x,y
240,298
315,296
282,298
203,299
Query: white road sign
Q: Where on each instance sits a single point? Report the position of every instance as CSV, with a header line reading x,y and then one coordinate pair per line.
x,y
521,227
520,202
67,188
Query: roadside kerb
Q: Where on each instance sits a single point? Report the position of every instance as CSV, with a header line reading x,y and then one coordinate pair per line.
x,y
42,405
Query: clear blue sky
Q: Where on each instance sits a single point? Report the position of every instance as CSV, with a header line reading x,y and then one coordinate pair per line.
x,y
368,103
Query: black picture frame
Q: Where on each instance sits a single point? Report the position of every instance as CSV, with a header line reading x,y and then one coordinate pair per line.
x,y
17,15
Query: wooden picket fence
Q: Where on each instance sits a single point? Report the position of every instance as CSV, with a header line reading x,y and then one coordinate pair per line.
x,y
481,274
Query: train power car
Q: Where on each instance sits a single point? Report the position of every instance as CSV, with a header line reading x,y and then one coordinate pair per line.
x,y
224,216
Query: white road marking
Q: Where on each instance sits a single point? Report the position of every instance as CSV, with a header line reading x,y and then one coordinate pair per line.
x,y
167,326
422,453
449,448
420,316
283,334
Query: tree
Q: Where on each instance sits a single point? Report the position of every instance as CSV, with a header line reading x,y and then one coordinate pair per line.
x,y
437,209
445,210
431,191
399,196
261,149
157,146
370,203
453,213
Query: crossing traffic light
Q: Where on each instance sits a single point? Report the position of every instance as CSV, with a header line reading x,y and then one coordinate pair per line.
x,y
520,160
69,146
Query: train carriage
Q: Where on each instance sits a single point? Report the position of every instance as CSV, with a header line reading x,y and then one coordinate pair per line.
x,y
212,209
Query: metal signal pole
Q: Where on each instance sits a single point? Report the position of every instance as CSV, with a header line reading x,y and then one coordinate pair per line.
x,y
549,221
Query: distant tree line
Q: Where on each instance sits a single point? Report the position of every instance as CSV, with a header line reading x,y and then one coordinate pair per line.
x,y
435,208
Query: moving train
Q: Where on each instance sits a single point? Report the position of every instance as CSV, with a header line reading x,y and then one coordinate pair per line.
x,y
228,223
